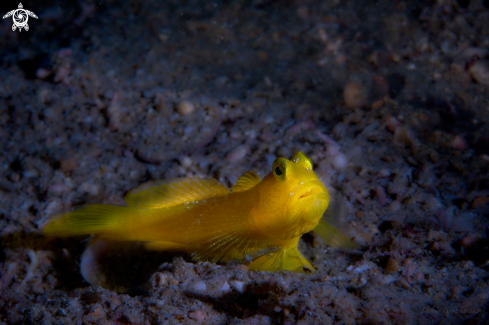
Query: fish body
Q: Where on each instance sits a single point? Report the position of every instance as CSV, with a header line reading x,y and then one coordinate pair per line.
x,y
258,222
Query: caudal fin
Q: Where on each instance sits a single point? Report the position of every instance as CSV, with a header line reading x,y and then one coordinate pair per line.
x,y
101,219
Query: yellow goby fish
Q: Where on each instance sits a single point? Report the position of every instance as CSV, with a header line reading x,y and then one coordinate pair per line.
x,y
259,222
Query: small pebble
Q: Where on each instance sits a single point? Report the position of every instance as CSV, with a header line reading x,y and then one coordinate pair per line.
x,y
238,153
404,136
395,206
199,286
407,262
159,303
67,165
62,72
52,206
403,284
332,150
391,123
381,196
433,204
114,113
186,161
442,247
128,154
339,161
134,174
272,281
479,202
354,95
469,240
30,173
392,266
185,107
377,104
339,130
198,315
161,279
396,58
58,188
458,143
42,73
457,290
225,287
377,279
239,286
14,177
383,173
90,188
359,269
480,72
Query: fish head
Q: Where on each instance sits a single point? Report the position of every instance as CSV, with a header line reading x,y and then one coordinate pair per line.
x,y
292,198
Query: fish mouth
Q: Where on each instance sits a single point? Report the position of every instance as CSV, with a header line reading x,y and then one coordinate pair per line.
x,y
311,191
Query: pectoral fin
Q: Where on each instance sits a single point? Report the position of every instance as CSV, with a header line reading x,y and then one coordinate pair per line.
x,y
331,235
327,228
282,260
168,193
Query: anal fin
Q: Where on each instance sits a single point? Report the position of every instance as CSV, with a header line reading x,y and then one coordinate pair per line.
x,y
163,246
282,260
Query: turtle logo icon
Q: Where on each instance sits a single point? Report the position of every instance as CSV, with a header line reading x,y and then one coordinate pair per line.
x,y
20,17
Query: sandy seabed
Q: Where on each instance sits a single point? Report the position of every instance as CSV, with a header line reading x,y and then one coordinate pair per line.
x,y
389,99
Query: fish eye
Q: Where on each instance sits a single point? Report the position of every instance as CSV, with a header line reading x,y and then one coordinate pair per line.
x,y
278,171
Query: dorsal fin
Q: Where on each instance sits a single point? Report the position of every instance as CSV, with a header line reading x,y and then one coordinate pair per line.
x,y
174,192
246,181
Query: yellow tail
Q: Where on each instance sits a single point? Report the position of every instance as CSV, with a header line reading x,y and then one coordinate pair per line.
x,y
104,219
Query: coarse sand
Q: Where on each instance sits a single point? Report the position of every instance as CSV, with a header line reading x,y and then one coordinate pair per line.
x,y
388,98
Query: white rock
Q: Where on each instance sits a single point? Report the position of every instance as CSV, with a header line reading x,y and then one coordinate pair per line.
x,y
90,188
239,286
238,153
225,287
339,161
199,286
